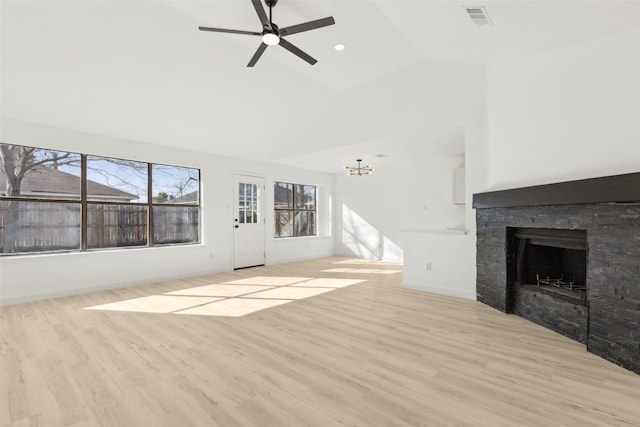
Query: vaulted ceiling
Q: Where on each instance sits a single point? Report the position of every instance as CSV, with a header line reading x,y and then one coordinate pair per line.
x,y
141,70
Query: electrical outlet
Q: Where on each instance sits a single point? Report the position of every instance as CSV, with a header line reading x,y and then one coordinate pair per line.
x,y
428,266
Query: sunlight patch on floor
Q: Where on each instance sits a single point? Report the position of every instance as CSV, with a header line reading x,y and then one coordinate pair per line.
x,y
234,307
385,271
233,298
354,261
360,271
268,280
220,290
155,304
370,262
290,292
329,283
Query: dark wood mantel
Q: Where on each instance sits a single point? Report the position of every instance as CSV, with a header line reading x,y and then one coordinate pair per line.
x,y
614,188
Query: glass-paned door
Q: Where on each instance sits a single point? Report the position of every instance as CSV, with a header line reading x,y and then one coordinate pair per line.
x,y
248,221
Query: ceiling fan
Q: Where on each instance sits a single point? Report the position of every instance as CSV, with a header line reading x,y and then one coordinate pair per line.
x,y
273,35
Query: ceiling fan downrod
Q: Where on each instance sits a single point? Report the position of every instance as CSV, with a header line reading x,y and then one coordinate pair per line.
x,y
271,4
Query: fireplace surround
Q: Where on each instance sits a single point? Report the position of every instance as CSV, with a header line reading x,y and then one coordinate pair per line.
x,y
566,256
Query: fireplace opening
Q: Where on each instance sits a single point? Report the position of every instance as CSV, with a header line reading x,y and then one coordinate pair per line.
x,y
551,261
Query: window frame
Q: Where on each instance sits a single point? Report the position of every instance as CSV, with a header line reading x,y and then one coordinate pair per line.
x,y
84,202
294,210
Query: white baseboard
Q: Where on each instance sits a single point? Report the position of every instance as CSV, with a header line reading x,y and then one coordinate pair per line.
x,y
458,293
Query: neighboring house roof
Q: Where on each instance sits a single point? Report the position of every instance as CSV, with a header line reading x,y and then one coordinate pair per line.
x,y
189,198
54,183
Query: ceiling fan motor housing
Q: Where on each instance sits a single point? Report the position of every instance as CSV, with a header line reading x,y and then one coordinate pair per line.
x,y
274,30
271,3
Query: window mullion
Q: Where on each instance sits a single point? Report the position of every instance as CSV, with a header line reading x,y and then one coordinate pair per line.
x,y
83,200
149,205
293,211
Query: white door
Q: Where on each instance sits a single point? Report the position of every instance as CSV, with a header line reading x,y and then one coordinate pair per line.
x,y
248,221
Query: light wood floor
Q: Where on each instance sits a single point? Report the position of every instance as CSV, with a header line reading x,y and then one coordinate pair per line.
x,y
369,354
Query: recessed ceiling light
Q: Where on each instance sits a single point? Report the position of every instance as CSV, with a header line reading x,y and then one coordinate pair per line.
x,y
339,47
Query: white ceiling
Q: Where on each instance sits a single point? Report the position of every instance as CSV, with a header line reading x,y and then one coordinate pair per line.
x,y
141,70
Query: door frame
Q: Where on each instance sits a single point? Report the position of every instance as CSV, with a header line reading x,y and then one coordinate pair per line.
x,y
235,176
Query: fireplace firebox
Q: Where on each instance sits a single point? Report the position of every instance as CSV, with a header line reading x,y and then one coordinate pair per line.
x,y
551,261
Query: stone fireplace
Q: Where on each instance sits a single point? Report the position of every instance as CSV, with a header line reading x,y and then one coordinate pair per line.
x,y
566,256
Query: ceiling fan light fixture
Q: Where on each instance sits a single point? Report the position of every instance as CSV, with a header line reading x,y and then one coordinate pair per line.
x,y
339,47
270,39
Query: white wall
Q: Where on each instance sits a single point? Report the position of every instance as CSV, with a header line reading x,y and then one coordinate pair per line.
x,y
430,93
374,211
405,215
569,113
437,258
24,278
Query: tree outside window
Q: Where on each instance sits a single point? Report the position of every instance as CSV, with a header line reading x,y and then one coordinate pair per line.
x,y
295,209
42,202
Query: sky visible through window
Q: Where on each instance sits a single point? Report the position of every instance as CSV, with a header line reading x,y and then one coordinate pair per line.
x,y
170,183
125,175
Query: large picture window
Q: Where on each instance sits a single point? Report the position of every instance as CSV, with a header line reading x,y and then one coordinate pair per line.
x,y
295,209
60,201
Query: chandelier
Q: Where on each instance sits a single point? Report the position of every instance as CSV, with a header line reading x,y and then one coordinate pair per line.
x,y
359,170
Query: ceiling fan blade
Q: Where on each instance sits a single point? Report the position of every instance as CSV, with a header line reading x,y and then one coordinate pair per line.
x,y
257,4
223,30
257,55
291,48
311,25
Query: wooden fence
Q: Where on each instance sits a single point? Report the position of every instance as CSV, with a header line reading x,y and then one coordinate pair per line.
x,y
39,226
176,224
112,226
27,226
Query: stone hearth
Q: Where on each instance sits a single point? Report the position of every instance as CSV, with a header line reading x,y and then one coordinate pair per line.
x,y
607,210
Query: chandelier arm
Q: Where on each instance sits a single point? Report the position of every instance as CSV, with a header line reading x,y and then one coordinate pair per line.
x,y
359,169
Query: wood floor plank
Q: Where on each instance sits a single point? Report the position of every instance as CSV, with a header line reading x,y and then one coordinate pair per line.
x,y
366,353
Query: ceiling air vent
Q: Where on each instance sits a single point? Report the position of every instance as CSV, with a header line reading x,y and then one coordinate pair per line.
x,y
478,15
